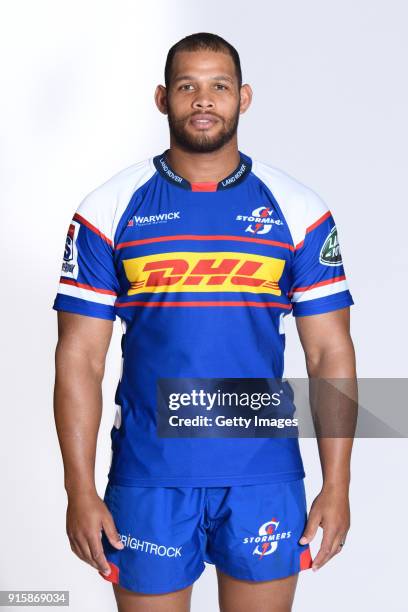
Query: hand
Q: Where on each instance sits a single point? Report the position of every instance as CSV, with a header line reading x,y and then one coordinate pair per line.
x,y
330,510
87,515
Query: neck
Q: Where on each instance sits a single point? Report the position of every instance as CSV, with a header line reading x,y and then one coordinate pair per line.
x,y
204,167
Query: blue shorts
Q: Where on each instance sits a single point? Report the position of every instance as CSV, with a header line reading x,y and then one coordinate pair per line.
x,y
250,532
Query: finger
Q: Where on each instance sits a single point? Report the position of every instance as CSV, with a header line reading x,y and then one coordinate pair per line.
x,y
111,532
98,556
83,543
80,547
340,543
75,548
311,528
329,545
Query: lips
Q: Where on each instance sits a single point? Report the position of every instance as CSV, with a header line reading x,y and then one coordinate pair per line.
x,y
203,121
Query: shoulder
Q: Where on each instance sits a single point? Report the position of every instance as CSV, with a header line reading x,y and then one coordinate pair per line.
x,y
301,205
104,206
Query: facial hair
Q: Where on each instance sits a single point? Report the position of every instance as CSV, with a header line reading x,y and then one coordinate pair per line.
x,y
201,143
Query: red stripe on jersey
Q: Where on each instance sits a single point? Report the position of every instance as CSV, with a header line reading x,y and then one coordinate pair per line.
x,y
209,186
207,303
313,226
335,279
284,245
68,281
94,229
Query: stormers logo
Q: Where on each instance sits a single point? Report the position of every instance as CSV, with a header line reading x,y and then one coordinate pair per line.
x,y
267,539
204,272
330,253
261,220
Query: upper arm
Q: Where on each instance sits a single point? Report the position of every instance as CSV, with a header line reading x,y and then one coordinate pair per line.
x,y
318,279
328,347
84,337
324,332
88,285
319,290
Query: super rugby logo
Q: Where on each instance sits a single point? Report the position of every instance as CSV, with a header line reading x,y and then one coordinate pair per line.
x,y
201,272
69,244
268,539
69,264
261,220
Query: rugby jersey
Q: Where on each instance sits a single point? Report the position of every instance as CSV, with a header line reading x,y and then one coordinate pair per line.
x,y
201,276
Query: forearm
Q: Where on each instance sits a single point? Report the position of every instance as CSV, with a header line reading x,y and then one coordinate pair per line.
x,y
333,393
77,412
331,367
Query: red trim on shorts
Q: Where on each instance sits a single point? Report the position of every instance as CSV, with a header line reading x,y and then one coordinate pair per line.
x,y
305,559
114,575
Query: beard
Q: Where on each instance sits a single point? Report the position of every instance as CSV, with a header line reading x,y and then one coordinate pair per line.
x,y
201,142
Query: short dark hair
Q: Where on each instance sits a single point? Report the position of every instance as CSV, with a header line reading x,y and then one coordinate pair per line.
x,y
198,42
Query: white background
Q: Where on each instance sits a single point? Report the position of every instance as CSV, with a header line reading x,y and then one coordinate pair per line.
x,y
330,103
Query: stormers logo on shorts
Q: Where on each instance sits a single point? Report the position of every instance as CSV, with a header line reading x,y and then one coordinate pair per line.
x,y
261,220
330,252
267,539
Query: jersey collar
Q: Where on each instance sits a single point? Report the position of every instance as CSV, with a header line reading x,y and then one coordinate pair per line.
x,y
235,178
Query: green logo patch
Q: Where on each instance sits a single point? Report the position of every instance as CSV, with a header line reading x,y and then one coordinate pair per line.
x,y
330,253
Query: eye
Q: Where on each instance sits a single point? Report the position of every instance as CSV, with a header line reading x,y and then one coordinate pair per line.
x,y
220,86
185,86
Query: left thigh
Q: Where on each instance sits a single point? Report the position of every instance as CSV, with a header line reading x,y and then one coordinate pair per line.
x,y
254,530
249,596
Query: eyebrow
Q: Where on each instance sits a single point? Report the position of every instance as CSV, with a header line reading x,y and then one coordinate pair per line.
x,y
187,77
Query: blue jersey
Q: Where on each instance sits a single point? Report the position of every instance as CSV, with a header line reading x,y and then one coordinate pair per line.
x,y
201,276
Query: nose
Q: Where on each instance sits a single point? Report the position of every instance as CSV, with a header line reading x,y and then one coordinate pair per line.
x,y
203,101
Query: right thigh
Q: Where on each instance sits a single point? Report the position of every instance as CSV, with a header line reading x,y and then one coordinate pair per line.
x,y
129,601
163,535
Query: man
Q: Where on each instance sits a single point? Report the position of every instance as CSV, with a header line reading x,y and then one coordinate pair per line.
x,y
201,251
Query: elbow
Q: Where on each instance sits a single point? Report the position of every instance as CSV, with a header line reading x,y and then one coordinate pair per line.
x,y
332,362
71,358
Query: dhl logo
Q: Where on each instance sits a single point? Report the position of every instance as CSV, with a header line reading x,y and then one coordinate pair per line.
x,y
200,272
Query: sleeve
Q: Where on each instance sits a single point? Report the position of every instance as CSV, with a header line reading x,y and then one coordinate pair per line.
x,y
88,284
319,282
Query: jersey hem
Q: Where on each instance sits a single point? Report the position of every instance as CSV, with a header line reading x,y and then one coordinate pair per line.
x,y
99,311
301,309
206,481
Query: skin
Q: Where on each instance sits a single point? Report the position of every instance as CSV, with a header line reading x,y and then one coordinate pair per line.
x,y
187,98
83,343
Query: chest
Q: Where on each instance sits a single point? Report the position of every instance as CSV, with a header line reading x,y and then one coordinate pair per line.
x,y
171,240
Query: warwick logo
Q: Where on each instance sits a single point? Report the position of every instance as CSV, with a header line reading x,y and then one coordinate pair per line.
x,y
138,220
330,252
